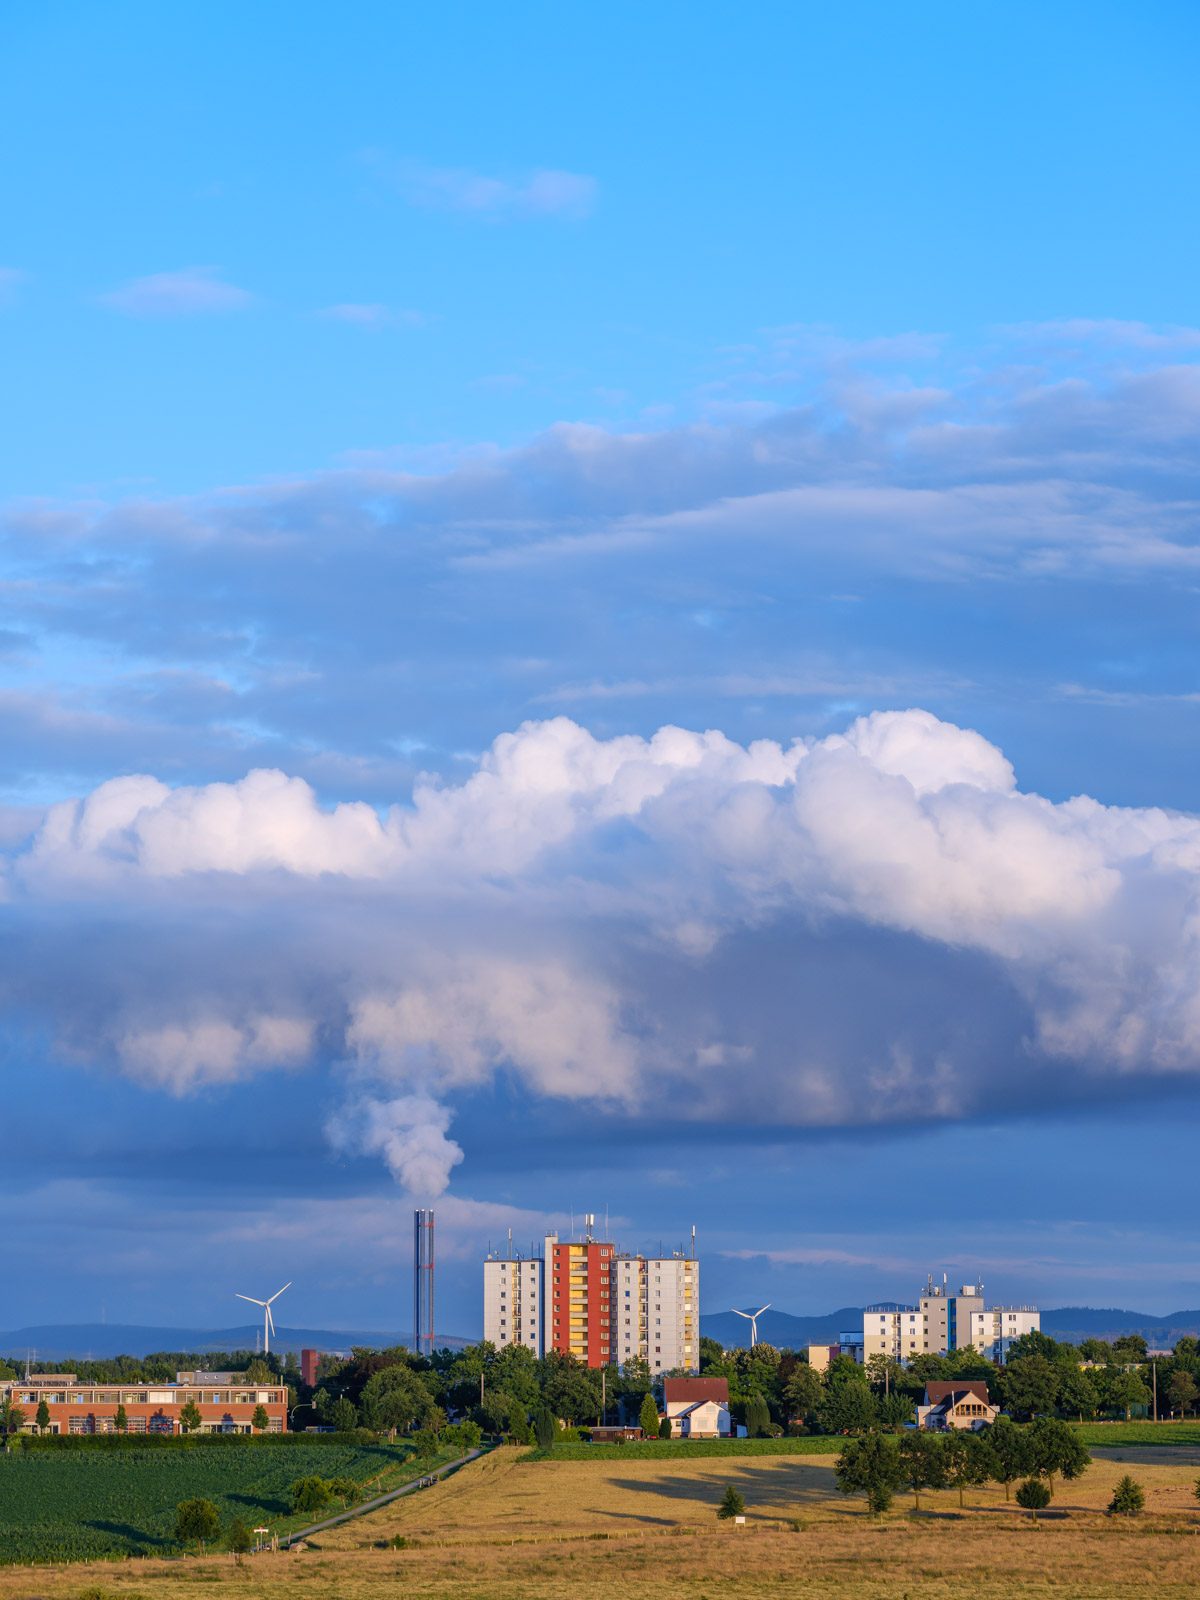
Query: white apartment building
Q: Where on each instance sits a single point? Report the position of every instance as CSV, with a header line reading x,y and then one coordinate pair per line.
x,y
588,1300
513,1292
942,1321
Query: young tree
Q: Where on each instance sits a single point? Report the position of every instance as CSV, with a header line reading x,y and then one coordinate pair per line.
x,y
1033,1496
895,1410
758,1417
198,1520
648,1417
924,1463
1128,1499
346,1490
190,1419
462,1436
802,1392
968,1462
1011,1454
545,1428
664,1427
1121,1390
428,1444
1056,1451
42,1417
341,1415
310,1495
1077,1392
871,1466
884,1372
258,1372
732,1505
12,1418
1182,1390
239,1538
260,1421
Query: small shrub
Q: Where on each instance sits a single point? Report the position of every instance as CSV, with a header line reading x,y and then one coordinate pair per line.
x,y
1033,1495
397,1541
732,1505
1128,1499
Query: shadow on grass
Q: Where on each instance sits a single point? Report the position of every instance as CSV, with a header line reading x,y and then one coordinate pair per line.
x,y
260,1502
132,1535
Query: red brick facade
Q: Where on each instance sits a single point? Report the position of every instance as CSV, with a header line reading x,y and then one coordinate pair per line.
x,y
579,1295
149,1408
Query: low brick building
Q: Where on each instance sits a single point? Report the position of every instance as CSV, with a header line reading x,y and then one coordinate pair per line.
x,y
224,1407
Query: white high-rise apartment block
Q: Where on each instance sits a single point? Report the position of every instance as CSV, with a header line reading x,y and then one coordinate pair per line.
x,y
656,1311
587,1300
513,1292
941,1322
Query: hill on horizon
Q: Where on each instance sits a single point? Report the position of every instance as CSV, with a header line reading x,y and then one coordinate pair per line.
x,y
65,1341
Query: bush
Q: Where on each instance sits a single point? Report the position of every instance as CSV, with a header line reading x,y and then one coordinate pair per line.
x,y
545,1428
1033,1495
1129,1498
239,1538
732,1505
198,1520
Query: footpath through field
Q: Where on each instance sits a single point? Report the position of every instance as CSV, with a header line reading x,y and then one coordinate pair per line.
x,y
379,1500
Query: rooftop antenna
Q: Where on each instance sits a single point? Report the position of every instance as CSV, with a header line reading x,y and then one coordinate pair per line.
x,y
510,1244
268,1321
693,1241
752,1318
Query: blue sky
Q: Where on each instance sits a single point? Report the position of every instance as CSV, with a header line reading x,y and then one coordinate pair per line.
x,y
429,407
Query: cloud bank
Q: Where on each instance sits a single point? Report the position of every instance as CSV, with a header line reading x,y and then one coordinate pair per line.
x,y
588,918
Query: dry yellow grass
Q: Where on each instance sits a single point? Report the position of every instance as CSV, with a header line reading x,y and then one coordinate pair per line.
x,y
503,1530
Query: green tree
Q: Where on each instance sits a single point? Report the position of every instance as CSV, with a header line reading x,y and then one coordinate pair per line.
x,y
493,1411
239,1538
427,1445
463,1436
189,1420
1011,1453
884,1372
1033,1496
42,1417
848,1408
12,1418
1128,1498
710,1350
1031,1385
347,1490
1056,1451
341,1415
545,1428
664,1427
895,1410
198,1520
1181,1389
258,1373
802,1392
1077,1392
648,1418
758,1417
393,1398
871,1466
1097,1350
732,1505
260,1421
968,1462
924,1463
310,1495
1121,1390
573,1393
1129,1347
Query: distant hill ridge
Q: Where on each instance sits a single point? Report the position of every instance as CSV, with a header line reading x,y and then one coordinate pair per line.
x,y
65,1341
1069,1323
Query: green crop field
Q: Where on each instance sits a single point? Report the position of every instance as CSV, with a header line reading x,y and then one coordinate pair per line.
x,y
64,1505
1120,1434
691,1449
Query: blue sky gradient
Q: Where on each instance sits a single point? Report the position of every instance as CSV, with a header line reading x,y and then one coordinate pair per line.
x,y
427,404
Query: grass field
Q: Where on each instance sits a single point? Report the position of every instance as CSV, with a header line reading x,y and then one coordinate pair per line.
x,y
67,1505
1110,1434
691,1449
507,1529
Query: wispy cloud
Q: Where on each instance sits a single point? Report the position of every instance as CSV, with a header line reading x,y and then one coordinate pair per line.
x,y
373,316
546,192
192,291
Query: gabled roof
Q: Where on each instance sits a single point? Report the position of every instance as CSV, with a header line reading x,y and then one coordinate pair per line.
x,y
690,1389
937,1393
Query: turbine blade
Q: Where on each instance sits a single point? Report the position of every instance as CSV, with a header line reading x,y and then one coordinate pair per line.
x,y
277,1293
270,1318
251,1299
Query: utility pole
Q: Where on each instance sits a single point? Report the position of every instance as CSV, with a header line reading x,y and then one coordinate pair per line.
x,y
1154,1380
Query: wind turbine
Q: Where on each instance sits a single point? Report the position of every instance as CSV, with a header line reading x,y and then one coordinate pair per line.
x,y
750,1316
268,1324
